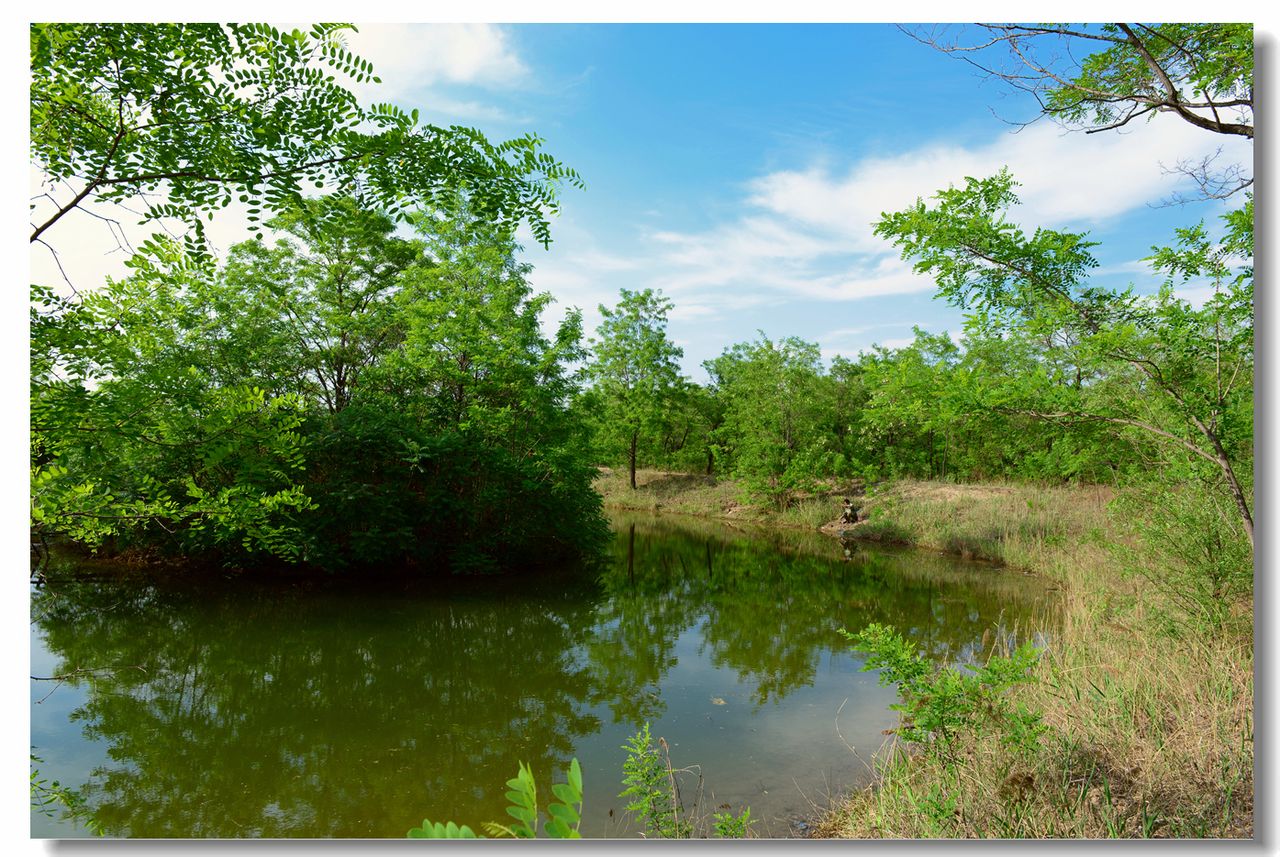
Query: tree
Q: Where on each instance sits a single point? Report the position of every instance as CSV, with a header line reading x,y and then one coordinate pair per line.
x,y
318,306
1102,77
135,435
1175,373
777,406
187,117
343,399
909,417
634,371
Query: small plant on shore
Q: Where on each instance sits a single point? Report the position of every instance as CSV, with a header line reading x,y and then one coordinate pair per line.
x,y
653,787
941,705
651,782
564,814
730,826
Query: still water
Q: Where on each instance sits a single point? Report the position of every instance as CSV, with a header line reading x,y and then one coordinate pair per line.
x,y
280,709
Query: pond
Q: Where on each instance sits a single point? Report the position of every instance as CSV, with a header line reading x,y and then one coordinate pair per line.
x,y
287,709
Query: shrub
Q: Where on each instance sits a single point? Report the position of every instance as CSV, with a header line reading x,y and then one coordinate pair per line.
x,y
942,705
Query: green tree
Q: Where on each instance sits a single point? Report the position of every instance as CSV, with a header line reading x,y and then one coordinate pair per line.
x,y
908,418
192,116
777,405
634,372
1178,374
342,398
134,437
311,313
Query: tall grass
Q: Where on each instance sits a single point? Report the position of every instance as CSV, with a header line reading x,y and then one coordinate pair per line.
x,y
1151,726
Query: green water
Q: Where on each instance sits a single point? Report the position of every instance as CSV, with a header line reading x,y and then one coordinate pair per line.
x,y
275,709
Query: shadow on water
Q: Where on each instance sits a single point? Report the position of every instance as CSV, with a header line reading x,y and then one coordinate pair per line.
x,y
278,710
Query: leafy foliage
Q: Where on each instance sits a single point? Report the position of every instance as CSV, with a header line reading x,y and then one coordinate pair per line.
x,y
730,826
204,114
1191,553
344,397
635,376
48,796
1175,376
1173,68
775,430
564,813
943,706
651,785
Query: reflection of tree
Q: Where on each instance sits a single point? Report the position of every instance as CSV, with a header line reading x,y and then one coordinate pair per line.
x,y
772,602
279,713
631,646
275,710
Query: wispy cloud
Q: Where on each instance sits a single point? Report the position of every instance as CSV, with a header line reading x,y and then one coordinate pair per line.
x,y
809,234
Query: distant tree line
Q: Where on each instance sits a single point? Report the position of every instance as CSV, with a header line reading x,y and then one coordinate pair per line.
x,y
1052,379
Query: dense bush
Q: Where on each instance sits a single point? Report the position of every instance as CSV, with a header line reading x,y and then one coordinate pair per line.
x,y
341,398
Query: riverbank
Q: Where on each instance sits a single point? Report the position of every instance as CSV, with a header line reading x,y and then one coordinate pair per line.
x,y
1149,722
713,497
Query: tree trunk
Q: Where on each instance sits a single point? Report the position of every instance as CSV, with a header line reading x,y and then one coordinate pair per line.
x,y
631,553
635,437
1237,491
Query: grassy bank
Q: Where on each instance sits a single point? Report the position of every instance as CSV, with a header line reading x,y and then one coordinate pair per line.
x,y
1149,730
712,497
1149,720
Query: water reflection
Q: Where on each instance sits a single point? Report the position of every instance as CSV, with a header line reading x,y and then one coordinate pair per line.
x,y
272,709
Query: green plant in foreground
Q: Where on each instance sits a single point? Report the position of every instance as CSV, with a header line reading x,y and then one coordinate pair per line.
x,y
564,813
47,795
650,780
651,783
730,826
939,705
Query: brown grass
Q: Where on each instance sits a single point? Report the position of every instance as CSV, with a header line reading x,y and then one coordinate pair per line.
x,y
1151,733
712,497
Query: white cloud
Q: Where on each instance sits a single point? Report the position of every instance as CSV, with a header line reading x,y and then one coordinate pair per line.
x,y
1067,178
412,57
1140,267
808,233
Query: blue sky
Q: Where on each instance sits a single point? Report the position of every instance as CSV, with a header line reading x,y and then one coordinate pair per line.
x,y
739,167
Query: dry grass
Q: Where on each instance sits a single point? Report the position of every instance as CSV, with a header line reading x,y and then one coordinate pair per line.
x,y
1151,733
710,497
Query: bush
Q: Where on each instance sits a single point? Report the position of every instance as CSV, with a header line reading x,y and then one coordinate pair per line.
x,y
942,706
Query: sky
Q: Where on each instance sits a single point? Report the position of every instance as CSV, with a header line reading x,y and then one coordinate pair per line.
x,y
739,168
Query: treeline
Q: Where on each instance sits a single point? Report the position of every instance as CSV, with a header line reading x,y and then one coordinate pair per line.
x,y
775,416
344,396
1053,379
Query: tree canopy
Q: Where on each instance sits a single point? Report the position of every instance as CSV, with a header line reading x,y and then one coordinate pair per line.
x,y
182,119
341,398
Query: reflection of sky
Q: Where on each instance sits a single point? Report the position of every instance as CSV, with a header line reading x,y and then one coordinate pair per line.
x,y
775,758
66,755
